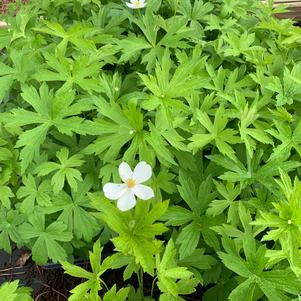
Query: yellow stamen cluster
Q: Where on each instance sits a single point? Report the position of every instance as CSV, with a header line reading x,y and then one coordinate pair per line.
x,y
137,3
130,183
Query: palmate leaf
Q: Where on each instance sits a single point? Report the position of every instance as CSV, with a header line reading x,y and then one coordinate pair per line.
x,y
5,153
225,81
64,171
10,291
239,44
244,291
126,125
252,268
164,86
164,182
285,222
196,11
257,171
252,130
131,48
9,222
218,133
222,25
224,283
194,223
50,110
7,79
75,34
74,72
160,146
22,68
289,137
137,232
45,239
4,147
33,193
114,126
199,260
288,89
176,34
173,280
5,189
89,289
5,195
229,193
114,295
75,211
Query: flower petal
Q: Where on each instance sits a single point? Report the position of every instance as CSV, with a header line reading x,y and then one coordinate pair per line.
x,y
130,5
142,172
143,192
126,201
135,4
125,171
113,191
3,24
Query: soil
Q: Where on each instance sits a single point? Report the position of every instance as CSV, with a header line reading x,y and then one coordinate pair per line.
x,y
4,3
50,283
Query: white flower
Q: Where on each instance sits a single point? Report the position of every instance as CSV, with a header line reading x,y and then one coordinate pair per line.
x,y
125,193
3,24
136,4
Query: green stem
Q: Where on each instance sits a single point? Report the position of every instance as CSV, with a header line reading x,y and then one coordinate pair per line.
x,y
139,14
141,275
104,284
153,286
140,281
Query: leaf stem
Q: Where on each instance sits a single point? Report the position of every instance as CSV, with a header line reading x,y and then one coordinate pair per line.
x,y
104,284
153,286
140,281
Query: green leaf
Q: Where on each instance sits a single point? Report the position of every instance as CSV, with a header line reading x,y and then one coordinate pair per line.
x,y
162,86
235,264
114,295
132,47
10,291
51,110
74,72
65,170
9,222
76,211
5,195
33,193
45,238
90,288
217,133
136,234
168,273
244,291
194,224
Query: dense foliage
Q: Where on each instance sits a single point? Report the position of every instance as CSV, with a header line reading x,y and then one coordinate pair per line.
x,y
206,92
11,292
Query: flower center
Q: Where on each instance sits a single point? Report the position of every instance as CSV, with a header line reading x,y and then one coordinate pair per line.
x,y
289,222
130,183
137,3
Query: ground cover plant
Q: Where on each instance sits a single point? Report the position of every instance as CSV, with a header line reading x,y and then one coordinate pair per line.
x,y
166,133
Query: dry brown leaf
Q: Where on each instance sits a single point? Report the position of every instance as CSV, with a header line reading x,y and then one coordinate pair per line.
x,y
23,259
